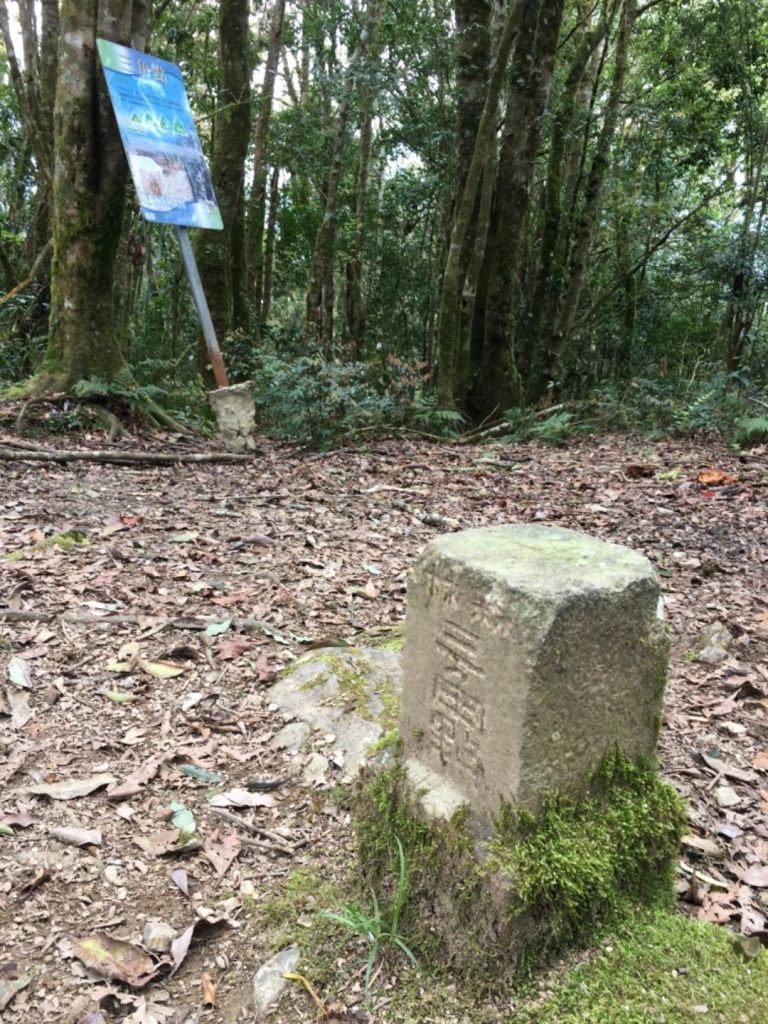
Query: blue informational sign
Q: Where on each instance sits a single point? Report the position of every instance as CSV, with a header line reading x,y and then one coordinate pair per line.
x,y
160,139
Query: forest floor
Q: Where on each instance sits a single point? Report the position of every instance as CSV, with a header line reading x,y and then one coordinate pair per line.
x,y
114,696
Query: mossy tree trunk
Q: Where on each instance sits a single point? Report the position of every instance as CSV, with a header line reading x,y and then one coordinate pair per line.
x,y
88,197
221,255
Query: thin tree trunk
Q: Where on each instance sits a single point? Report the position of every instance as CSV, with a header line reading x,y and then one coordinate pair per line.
x,y
498,386
450,293
575,93
355,302
221,256
583,235
269,246
257,199
318,321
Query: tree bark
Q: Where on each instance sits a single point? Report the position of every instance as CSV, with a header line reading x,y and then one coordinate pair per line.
x,y
269,245
221,255
448,326
497,386
318,319
88,199
257,201
580,250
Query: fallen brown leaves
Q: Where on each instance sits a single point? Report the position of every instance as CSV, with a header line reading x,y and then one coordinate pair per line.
x,y
201,582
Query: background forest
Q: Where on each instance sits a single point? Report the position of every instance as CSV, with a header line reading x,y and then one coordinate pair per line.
x,y
436,214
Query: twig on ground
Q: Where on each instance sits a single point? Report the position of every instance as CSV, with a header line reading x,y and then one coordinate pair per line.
x,y
119,458
276,842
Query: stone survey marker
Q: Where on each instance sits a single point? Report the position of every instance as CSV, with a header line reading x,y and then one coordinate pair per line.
x,y
530,653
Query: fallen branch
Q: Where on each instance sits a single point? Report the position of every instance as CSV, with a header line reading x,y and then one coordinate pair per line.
x,y
118,458
41,256
276,842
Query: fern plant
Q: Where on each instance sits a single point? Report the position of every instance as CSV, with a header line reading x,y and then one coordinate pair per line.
x,y
751,431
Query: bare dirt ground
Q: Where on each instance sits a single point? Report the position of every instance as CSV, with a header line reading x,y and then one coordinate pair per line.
x,y
136,654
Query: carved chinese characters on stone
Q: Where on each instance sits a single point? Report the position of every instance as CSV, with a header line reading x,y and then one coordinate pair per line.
x,y
458,714
530,652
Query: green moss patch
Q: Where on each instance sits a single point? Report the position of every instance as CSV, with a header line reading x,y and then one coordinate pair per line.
x,y
65,541
660,966
496,907
356,686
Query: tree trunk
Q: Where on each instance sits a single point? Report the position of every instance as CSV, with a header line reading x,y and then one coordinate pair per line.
x,y
221,255
583,234
269,246
449,315
88,199
355,302
497,386
552,245
257,201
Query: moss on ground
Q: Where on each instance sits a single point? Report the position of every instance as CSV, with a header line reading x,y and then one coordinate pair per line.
x,y
659,966
66,541
356,687
643,965
291,916
498,908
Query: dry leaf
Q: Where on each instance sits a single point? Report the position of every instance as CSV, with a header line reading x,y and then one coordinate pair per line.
x,y
18,703
76,836
159,843
761,761
114,958
70,789
162,669
229,649
241,798
11,982
705,846
756,876
180,880
222,848
19,673
203,928
137,780
714,478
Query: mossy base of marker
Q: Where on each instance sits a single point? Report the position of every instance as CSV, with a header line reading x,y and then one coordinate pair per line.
x,y
504,903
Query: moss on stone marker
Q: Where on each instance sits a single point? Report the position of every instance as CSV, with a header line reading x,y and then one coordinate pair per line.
x,y
500,905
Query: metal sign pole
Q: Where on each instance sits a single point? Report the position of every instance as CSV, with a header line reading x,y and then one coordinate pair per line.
x,y
201,305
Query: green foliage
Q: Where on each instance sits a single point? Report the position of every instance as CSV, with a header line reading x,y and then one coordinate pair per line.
x,y
713,403
380,929
322,403
554,429
751,431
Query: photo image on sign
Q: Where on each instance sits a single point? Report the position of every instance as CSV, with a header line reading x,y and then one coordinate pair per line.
x,y
161,181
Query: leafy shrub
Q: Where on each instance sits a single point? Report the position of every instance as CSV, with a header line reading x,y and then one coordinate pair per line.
x,y
751,431
310,399
715,403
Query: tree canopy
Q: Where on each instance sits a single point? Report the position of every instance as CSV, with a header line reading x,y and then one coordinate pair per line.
x,y
452,211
